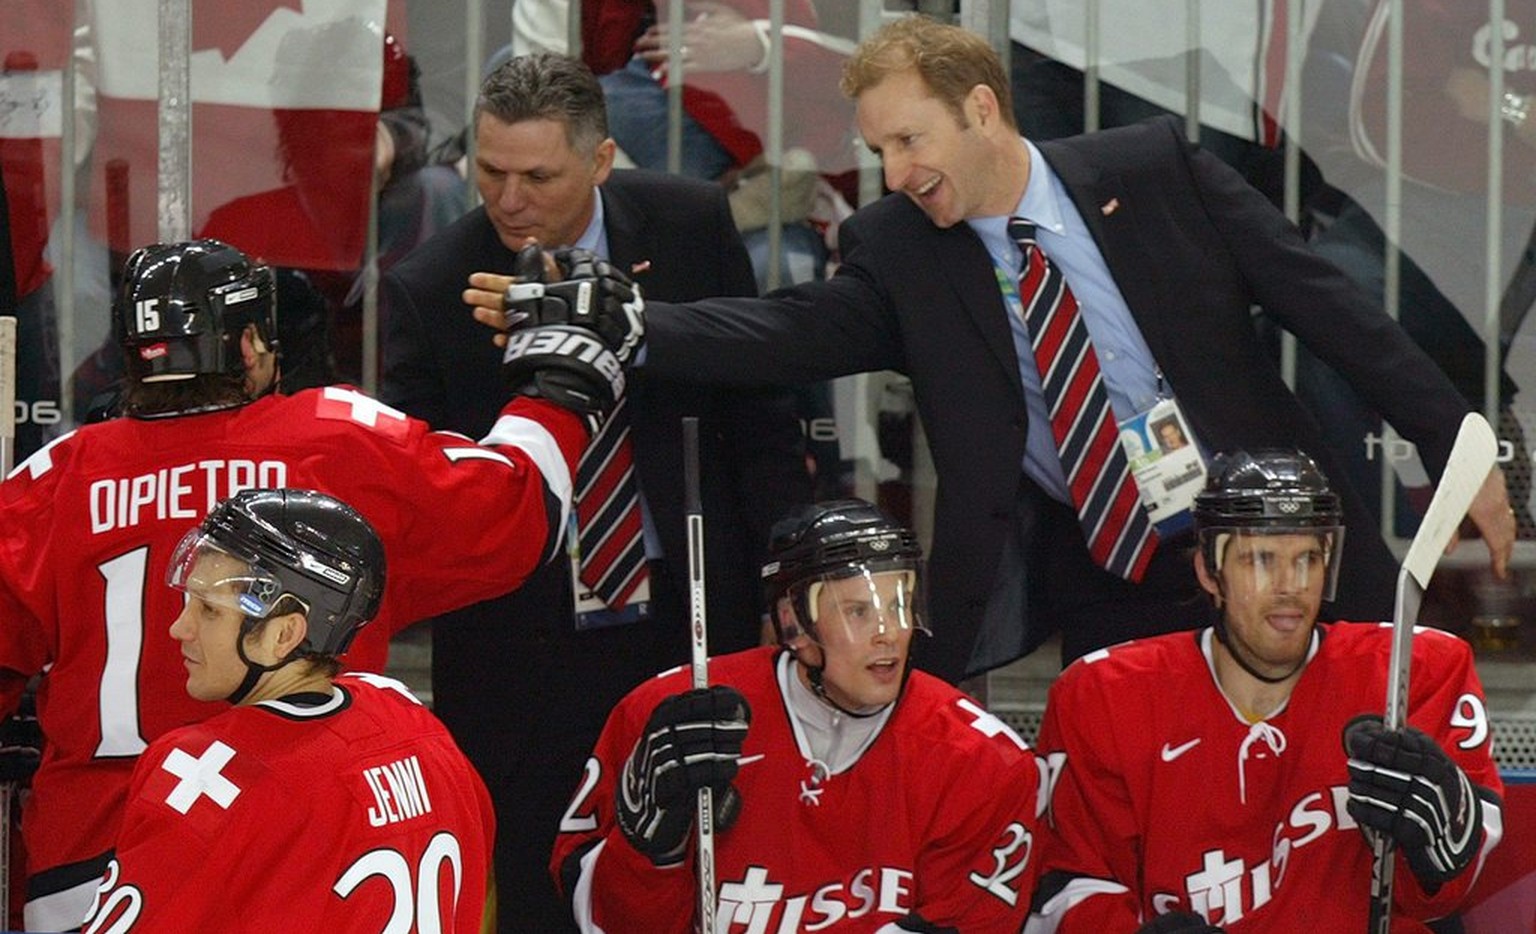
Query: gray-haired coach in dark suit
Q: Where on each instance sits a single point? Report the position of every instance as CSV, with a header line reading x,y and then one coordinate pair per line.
x,y
523,692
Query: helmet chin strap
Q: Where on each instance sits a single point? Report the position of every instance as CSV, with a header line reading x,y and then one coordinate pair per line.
x,y
814,672
253,671
1221,636
816,675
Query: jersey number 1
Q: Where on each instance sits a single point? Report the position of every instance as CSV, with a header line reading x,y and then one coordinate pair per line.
x,y
117,697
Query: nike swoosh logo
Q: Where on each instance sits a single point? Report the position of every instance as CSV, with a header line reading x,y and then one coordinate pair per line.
x,y
1171,753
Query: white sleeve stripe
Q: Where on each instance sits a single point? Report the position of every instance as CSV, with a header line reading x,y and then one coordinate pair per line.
x,y
540,446
581,897
1048,919
1493,832
61,910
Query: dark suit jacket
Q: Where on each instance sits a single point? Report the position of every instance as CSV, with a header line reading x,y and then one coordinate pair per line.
x,y
523,692
440,365
1192,247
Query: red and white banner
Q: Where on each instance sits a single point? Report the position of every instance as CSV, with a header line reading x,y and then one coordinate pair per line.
x,y
34,51
285,106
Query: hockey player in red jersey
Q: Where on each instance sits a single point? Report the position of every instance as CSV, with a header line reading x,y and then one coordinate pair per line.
x,y
317,803
88,524
1225,779
853,792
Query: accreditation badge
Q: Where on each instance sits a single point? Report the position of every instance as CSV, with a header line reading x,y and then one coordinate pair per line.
x,y
1166,463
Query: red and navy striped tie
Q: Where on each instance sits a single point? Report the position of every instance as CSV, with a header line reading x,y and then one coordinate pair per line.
x,y
1120,536
608,521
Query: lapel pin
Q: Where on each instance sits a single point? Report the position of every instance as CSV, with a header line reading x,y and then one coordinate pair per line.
x,y
1109,207
636,269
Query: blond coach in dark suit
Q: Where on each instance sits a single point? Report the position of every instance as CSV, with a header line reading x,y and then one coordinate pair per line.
x,y
1167,249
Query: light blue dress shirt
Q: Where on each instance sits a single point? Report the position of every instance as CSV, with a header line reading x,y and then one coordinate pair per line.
x,y
1131,375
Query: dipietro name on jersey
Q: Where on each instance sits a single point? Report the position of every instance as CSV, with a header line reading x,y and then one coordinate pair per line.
x,y
185,491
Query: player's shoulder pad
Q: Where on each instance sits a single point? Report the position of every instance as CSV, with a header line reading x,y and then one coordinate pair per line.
x,y
350,405
943,720
44,461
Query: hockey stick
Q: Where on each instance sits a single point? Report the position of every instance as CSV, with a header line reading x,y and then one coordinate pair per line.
x,y
705,816
1472,457
7,458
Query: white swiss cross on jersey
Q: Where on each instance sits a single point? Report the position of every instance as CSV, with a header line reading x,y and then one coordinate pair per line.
x,y
340,402
201,776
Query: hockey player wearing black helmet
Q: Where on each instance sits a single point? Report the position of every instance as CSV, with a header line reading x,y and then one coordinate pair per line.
x,y
277,582
828,758
1252,711
105,506
197,322
276,577
1271,534
844,587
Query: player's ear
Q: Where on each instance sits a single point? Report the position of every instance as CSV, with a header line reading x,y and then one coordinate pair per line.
x,y
1208,583
282,634
603,158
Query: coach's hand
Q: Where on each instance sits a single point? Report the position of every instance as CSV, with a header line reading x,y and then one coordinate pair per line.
x,y
590,293
691,741
1402,784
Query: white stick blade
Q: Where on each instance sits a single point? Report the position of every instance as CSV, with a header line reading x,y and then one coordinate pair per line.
x,y
1472,457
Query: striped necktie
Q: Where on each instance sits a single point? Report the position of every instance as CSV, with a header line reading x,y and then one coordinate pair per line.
x,y
608,521
1119,533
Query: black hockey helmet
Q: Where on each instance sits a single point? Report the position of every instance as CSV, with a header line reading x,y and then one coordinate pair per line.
x,y
833,541
1270,491
308,545
182,308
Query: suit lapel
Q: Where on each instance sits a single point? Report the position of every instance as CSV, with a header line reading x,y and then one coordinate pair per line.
x,y
969,270
623,226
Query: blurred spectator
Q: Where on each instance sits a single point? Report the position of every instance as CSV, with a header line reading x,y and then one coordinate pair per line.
x,y
1444,201
320,325
35,49
306,217
725,104
1144,60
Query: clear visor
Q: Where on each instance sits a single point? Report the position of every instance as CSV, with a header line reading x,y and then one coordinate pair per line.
x,y
204,569
866,604
1279,561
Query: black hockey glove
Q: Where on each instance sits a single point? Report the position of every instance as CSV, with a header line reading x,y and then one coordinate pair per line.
x,y
691,741
594,294
21,743
565,364
1402,783
1178,922
548,356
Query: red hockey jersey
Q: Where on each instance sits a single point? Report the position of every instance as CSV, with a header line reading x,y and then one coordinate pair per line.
x,y
1165,799
934,820
88,524
353,815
